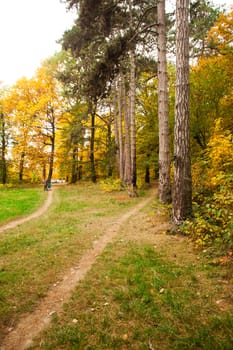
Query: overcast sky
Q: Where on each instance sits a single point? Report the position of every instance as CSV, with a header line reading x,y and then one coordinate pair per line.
x,y
29,30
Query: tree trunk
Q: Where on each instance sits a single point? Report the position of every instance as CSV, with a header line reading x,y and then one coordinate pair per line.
x,y
132,186
120,129
127,172
109,147
3,150
147,174
74,169
21,166
44,171
132,98
164,151
115,125
51,159
182,196
92,142
52,136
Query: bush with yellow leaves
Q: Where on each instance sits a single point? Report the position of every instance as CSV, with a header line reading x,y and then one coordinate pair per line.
x,y
213,191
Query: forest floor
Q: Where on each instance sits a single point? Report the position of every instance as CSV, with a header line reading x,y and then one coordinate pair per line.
x,y
136,225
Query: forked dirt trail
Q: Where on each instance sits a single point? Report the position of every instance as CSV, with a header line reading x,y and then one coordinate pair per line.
x,y
22,336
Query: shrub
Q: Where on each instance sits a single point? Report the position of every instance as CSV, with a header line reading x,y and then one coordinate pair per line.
x,y
213,187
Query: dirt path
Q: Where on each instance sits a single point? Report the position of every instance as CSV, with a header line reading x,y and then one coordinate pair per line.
x,y
22,336
34,215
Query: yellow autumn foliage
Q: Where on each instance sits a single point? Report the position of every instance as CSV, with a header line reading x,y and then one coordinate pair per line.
x,y
220,35
220,153
213,188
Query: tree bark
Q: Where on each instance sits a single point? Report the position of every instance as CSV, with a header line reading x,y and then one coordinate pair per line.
x,y
132,99
92,110
127,170
132,186
21,166
74,169
164,151
182,196
52,121
116,129
3,150
109,146
120,129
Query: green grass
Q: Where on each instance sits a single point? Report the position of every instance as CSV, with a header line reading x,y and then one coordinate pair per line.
x,y
135,298
16,202
139,291
35,255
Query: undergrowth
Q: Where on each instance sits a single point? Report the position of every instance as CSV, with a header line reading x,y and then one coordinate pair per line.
x,y
213,188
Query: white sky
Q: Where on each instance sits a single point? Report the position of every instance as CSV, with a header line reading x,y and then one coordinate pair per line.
x,y
29,30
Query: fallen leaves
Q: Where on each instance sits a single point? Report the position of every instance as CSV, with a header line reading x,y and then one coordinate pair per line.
x,y
224,260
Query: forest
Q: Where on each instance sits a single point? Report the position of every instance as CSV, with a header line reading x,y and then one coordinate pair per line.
x,y
137,95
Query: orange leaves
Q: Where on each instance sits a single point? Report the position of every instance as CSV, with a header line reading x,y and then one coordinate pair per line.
x,y
226,259
221,34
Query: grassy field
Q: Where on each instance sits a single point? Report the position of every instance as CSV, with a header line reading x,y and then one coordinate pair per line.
x,y
34,255
139,300
146,291
16,202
